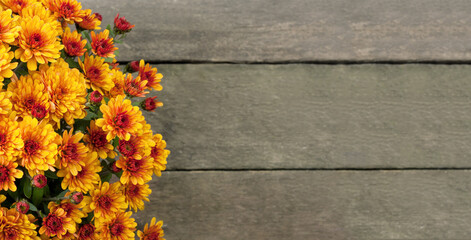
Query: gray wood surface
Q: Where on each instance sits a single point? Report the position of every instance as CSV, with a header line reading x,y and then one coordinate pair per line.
x,y
312,205
315,116
295,30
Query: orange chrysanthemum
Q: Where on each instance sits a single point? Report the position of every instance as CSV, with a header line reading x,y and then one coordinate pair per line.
x,y
6,66
87,232
85,179
138,146
38,42
67,92
72,152
8,173
10,139
17,5
105,201
40,146
118,227
57,224
118,79
97,73
16,226
136,194
72,210
73,44
134,87
149,74
120,118
96,141
5,102
29,97
102,44
134,170
8,27
68,11
153,231
91,22
159,154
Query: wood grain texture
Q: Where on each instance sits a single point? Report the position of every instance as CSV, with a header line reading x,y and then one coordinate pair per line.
x,y
315,116
312,205
296,30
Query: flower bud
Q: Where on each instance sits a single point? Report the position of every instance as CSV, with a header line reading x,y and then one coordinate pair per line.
x,y
150,104
132,67
96,97
22,206
77,197
98,16
121,25
39,181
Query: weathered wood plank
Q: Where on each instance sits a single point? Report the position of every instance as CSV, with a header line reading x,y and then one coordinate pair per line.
x,y
296,30
312,205
315,116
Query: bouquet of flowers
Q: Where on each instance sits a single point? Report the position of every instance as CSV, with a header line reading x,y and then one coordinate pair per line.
x,y
70,120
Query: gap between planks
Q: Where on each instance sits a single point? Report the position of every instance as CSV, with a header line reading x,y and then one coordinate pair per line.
x,y
313,62
317,169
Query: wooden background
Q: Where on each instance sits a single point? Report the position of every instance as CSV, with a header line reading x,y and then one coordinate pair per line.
x,y
308,119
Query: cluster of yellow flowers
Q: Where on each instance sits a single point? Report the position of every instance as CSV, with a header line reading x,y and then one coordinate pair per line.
x,y
69,122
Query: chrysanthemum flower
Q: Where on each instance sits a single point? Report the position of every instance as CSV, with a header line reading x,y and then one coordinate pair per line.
x,y
5,103
22,206
72,210
72,152
85,179
91,22
153,231
149,74
87,232
67,91
120,226
2,198
39,181
8,173
135,87
138,146
136,194
118,79
121,25
159,154
17,5
74,45
134,170
105,201
56,223
29,97
96,141
10,139
15,225
38,42
102,44
150,104
97,73
9,27
68,11
38,9
120,118
6,66
40,146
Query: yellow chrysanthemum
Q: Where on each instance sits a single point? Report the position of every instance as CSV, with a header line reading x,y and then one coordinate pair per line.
x,y
68,11
85,179
38,42
67,92
72,210
159,154
134,170
17,226
138,146
149,74
153,231
91,22
8,173
8,27
97,73
87,232
17,5
56,223
73,43
118,79
120,118
38,9
136,194
5,103
29,97
102,44
105,201
40,146
96,141
120,226
10,139
72,152
6,66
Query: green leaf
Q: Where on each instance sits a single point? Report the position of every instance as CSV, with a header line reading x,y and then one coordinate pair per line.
x,y
109,60
27,187
109,28
72,63
32,207
38,194
115,142
14,195
50,174
62,194
106,177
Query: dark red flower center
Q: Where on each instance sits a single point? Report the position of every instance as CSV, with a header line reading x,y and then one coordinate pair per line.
x,y
133,165
38,111
153,236
31,147
35,40
127,148
53,223
122,120
4,174
98,138
70,151
11,233
117,229
29,103
3,138
66,9
133,190
155,152
86,231
93,72
104,202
